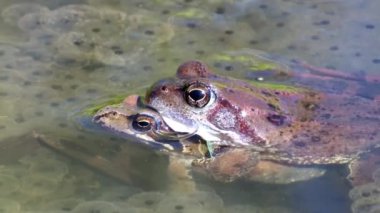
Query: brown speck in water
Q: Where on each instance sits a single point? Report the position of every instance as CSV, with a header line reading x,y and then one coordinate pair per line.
x,y
91,91
78,43
74,86
200,52
149,32
117,50
179,207
334,48
54,104
27,83
69,77
62,125
147,68
19,119
191,25
95,30
149,202
39,113
57,87
324,22
280,24
220,10
292,47
315,37
228,68
370,26
229,32
165,12
253,42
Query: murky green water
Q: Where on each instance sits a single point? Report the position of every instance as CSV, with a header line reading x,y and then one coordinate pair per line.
x,y
59,57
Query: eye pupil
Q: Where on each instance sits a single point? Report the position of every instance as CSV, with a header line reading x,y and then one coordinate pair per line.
x,y
143,124
197,94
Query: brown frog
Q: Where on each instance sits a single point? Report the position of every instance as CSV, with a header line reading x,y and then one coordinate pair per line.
x,y
286,116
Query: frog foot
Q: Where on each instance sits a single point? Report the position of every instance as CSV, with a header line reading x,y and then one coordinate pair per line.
x,y
179,174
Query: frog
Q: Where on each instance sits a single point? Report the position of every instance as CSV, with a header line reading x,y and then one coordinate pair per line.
x,y
188,152
303,116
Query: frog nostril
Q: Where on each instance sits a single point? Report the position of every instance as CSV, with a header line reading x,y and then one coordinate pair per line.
x,y
164,89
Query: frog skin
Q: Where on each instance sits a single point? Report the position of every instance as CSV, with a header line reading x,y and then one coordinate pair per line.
x,y
153,131
286,119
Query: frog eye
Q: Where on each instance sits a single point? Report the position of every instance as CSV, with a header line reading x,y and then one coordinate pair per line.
x,y
197,95
143,123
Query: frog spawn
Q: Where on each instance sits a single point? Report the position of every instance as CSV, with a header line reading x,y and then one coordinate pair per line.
x,y
76,33
198,201
28,180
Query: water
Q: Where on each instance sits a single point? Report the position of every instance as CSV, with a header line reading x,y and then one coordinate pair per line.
x,y
60,57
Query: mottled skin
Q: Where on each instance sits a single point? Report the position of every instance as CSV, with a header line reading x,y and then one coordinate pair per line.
x,y
290,119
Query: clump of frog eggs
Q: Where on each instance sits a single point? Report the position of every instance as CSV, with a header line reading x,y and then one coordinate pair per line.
x,y
76,33
43,183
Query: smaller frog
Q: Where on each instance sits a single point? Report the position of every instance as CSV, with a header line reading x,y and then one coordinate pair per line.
x,y
134,119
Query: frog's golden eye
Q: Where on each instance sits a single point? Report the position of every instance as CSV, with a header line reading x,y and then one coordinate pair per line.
x,y
197,95
143,123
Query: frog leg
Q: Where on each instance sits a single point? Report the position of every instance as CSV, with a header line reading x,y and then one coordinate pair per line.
x,y
322,72
97,162
362,168
241,163
275,173
366,86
